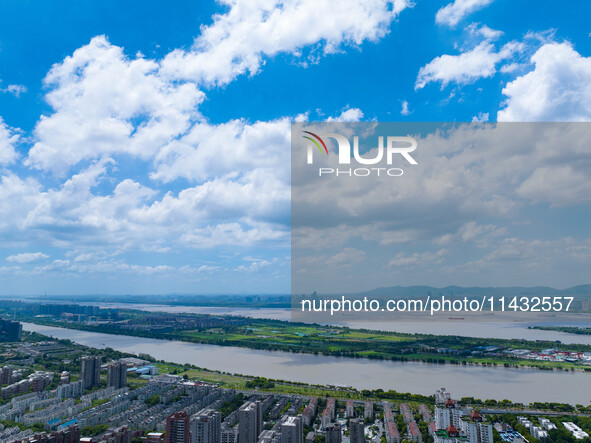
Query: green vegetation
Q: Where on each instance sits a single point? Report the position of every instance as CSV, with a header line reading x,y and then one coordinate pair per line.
x,y
567,329
97,402
260,382
91,431
152,401
37,427
11,424
231,405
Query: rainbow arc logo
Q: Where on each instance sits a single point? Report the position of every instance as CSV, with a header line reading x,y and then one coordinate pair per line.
x,y
316,142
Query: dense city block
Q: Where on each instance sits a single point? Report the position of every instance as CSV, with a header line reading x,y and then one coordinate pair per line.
x,y
57,391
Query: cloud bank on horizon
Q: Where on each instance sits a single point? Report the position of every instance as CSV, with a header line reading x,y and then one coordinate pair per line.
x,y
129,167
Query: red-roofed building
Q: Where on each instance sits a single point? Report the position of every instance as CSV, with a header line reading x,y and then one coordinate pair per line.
x,y
452,431
414,433
432,428
392,434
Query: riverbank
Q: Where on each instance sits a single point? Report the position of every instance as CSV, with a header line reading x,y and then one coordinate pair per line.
x,y
276,335
565,329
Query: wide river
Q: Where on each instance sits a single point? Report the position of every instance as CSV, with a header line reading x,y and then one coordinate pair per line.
x,y
522,385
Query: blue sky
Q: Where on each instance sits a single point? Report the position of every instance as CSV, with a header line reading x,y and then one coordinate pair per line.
x,y
144,147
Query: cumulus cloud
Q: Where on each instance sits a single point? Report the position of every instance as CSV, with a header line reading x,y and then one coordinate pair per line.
x,y
77,218
467,67
534,254
208,151
102,267
348,115
256,265
27,257
472,232
9,137
346,258
471,184
17,197
227,185
562,185
557,89
405,110
470,171
453,13
235,233
481,117
110,109
106,103
200,269
15,90
418,258
239,40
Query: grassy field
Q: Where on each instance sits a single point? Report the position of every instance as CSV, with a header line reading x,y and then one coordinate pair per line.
x,y
298,335
230,381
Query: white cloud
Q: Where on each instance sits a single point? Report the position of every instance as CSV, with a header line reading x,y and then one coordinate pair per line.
x,y
256,266
467,67
466,174
9,137
235,233
15,90
17,197
110,109
481,117
27,257
418,258
562,185
239,40
106,103
348,115
346,258
476,30
472,232
103,267
209,151
243,199
511,67
405,110
542,256
200,269
453,13
557,89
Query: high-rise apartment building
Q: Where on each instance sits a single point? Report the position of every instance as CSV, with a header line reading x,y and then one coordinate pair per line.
x,y
250,422
368,410
447,414
117,375
350,409
178,428
6,375
206,427
91,371
10,330
292,430
476,429
357,430
333,433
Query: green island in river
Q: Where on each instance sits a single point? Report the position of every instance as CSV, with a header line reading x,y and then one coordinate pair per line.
x,y
277,335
